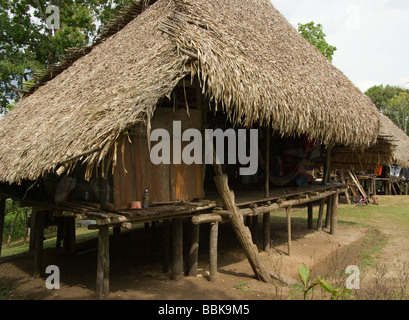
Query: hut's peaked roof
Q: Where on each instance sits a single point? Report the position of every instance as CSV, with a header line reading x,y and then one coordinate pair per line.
x,y
400,140
248,58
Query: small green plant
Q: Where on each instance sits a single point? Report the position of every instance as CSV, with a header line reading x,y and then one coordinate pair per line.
x,y
336,293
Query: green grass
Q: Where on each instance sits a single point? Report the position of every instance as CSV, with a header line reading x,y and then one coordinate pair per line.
x,y
18,247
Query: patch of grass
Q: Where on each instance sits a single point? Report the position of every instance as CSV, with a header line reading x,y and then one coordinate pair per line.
x,y
242,286
373,244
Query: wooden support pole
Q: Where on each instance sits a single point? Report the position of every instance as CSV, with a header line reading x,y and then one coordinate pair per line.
x,y
288,215
38,242
2,215
214,231
327,171
266,231
320,214
69,234
60,231
242,232
254,229
310,216
177,249
102,286
328,213
194,251
267,170
165,246
334,214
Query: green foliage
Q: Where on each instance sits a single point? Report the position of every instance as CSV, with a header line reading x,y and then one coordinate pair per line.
x,y
27,46
12,209
336,293
316,36
393,102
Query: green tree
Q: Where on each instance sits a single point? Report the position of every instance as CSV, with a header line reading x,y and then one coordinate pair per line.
x,y
381,95
397,110
28,45
315,35
393,102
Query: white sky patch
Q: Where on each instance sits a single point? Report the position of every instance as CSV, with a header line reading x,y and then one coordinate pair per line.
x,y
370,35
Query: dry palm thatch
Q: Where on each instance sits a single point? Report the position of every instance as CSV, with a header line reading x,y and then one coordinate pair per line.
x,y
401,140
392,147
247,57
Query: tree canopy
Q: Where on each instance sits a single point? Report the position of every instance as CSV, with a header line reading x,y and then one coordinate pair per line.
x,y
392,101
316,36
36,33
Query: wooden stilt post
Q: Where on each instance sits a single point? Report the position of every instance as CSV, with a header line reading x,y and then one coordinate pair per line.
x,y
326,178
310,216
214,231
2,215
38,243
267,169
177,249
60,232
266,231
165,245
254,229
334,214
242,233
194,251
288,215
103,263
320,214
328,213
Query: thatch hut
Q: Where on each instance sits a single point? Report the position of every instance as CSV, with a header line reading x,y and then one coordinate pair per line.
x,y
89,118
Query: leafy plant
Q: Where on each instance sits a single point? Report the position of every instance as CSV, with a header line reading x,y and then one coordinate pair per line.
x,y
336,293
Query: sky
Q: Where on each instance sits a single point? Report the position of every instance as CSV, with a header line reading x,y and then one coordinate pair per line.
x,y
371,36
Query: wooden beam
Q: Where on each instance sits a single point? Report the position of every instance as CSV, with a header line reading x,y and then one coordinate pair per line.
x,y
194,251
102,285
177,249
254,229
310,216
266,231
329,210
242,232
267,170
334,214
320,214
288,216
2,215
214,231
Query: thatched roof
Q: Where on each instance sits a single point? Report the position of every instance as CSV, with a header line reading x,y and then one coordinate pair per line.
x,y
392,147
400,139
247,57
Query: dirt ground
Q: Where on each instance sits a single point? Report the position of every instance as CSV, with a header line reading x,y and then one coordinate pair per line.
x,y
137,273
